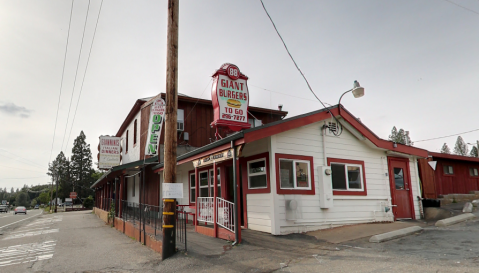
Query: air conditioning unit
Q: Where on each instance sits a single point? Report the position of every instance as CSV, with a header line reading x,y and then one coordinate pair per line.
x,y
180,125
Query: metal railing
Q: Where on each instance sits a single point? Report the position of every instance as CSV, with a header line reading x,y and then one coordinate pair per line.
x,y
140,214
205,209
181,231
225,214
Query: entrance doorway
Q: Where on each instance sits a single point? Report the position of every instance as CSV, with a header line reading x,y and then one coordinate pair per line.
x,y
400,183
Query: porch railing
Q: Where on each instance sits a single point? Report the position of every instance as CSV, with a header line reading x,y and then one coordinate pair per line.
x,y
225,214
205,207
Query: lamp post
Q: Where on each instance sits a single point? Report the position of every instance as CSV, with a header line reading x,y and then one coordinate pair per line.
x,y
357,90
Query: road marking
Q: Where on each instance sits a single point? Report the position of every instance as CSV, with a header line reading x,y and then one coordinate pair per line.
x,y
20,220
26,253
29,234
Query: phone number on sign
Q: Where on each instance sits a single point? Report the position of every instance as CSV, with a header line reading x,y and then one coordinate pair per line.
x,y
233,117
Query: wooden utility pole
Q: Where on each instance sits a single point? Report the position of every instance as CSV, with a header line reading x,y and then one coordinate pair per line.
x,y
169,172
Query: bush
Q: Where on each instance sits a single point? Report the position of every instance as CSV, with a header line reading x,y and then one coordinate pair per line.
x,y
88,202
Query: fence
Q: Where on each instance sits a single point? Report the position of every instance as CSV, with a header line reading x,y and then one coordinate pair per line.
x,y
225,214
205,209
148,218
140,214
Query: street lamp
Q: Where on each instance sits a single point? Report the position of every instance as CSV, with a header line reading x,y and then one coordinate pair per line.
x,y
357,90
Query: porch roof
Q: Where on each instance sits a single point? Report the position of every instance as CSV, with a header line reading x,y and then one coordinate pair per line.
x,y
124,167
454,157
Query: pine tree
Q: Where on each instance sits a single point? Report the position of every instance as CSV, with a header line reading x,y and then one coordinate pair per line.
x,y
445,149
461,147
401,136
81,166
59,170
474,152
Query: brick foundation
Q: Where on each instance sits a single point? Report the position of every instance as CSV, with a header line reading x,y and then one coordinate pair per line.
x,y
132,231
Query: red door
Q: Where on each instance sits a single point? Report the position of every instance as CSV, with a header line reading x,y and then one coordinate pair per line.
x,y
400,183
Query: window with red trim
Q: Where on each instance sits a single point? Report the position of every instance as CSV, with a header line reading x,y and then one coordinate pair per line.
x,y
347,176
294,174
255,173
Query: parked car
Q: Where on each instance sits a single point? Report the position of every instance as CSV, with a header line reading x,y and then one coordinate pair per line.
x,y
36,207
68,204
20,210
4,208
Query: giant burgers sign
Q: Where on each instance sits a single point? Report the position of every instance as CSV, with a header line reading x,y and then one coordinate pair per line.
x,y
230,98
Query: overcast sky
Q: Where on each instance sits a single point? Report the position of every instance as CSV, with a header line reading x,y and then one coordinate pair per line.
x,y
418,61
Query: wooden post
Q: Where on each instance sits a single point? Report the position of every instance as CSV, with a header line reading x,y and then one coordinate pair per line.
x,y
169,205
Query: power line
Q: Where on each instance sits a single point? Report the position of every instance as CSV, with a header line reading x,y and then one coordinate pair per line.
x,y
76,72
473,11
447,136
84,74
16,158
287,50
61,83
301,72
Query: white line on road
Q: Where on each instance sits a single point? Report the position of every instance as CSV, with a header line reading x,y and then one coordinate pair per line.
x,y
26,253
20,220
29,234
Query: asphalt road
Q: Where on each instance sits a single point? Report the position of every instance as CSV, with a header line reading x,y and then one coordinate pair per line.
x,y
70,242
10,219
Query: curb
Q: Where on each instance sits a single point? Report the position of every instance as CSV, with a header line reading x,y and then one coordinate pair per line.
x,y
394,234
455,219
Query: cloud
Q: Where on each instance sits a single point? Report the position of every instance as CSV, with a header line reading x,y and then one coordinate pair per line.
x,y
14,110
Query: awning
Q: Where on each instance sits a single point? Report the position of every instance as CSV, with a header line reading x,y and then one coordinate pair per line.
x,y
135,165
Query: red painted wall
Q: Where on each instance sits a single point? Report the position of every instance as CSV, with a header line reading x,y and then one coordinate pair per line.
x,y
460,181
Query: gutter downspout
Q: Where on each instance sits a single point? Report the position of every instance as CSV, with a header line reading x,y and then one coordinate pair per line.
x,y
235,194
323,134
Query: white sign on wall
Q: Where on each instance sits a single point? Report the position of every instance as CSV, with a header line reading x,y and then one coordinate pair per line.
x,y
157,115
172,190
110,152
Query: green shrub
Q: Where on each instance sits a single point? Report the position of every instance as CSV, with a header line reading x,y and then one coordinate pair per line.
x,y
88,202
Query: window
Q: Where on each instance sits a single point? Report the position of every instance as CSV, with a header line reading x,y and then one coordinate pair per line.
x,y
126,142
203,184
257,178
347,176
448,169
255,122
212,183
399,178
192,188
294,174
180,120
134,133
473,172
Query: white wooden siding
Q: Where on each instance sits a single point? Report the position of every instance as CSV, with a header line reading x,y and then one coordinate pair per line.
x,y
415,186
133,150
307,141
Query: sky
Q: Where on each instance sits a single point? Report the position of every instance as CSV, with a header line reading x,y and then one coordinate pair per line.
x,y
417,60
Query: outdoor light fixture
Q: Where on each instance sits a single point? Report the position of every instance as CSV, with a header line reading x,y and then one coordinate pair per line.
x,y
357,90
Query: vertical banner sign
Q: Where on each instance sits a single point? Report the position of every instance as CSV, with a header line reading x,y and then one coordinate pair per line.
x,y
157,115
230,98
110,152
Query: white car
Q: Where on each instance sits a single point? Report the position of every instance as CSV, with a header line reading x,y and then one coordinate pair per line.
x,y
4,208
21,210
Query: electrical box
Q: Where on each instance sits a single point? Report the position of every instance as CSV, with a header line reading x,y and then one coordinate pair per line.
x,y
325,183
